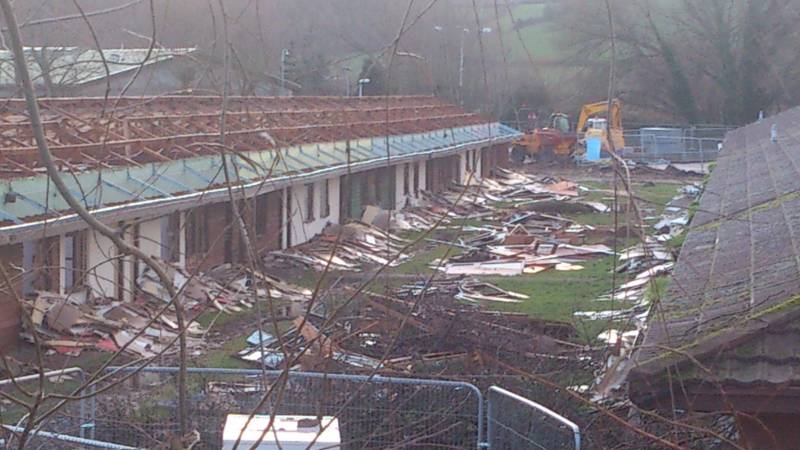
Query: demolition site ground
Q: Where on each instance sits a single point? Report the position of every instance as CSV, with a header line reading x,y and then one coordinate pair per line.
x,y
528,272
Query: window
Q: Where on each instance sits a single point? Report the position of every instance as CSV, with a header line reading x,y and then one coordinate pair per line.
x,y
325,203
309,202
406,181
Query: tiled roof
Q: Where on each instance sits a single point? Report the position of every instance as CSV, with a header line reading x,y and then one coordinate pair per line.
x,y
167,146
736,285
92,133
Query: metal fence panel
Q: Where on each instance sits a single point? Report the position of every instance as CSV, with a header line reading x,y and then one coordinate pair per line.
x,y
373,413
685,148
65,430
515,422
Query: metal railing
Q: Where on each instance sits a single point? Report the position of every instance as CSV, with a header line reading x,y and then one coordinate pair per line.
x,y
515,422
373,412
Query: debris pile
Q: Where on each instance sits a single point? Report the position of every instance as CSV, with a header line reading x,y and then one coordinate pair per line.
x,y
417,328
350,247
68,324
520,234
642,264
677,213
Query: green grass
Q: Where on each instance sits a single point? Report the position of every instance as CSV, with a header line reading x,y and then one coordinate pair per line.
x,y
657,195
538,38
421,261
594,219
676,242
223,357
557,295
657,290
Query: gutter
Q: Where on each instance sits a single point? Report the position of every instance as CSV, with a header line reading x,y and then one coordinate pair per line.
x,y
152,208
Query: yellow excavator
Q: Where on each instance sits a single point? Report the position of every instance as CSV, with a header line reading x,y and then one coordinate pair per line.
x,y
560,142
592,126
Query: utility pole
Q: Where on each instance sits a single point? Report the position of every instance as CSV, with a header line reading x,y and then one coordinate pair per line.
x,y
461,68
464,32
284,55
346,73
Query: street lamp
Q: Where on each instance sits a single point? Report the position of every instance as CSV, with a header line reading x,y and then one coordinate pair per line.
x,y
284,54
464,32
361,84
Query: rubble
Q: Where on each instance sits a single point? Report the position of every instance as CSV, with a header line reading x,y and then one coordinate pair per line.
x,y
441,321
642,264
349,247
71,323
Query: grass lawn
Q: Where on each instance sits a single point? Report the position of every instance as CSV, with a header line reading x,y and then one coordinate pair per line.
x,y
557,295
657,195
422,259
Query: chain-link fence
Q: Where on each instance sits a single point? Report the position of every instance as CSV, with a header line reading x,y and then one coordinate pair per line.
x,y
515,422
372,413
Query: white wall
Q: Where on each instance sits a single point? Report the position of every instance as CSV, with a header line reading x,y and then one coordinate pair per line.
x,y
150,238
102,272
303,230
462,163
128,267
182,255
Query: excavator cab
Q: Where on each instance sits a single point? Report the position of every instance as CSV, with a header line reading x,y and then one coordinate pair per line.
x,y
597,123
560,122
590,125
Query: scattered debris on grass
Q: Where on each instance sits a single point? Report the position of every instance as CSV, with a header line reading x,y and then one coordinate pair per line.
x,y
77,321
348,247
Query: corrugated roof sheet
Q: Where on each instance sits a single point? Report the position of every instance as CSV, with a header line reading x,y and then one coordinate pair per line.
x,y
70,66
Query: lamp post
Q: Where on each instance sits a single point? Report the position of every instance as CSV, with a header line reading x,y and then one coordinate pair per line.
x,y
284,54
361,84
346,76
464,32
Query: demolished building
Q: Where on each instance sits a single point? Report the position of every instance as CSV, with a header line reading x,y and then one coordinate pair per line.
x,y
153,167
